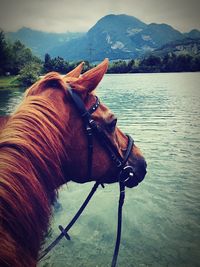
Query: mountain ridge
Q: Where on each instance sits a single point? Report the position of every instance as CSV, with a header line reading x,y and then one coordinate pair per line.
x,y
113,36
41,42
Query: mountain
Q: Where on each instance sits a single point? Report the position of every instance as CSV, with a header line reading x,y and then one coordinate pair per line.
x,y
113,36
109,37
189,46
41,42
193,34
118,37
154,36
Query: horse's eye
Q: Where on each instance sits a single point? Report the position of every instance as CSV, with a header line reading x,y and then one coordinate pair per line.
x,y
111,125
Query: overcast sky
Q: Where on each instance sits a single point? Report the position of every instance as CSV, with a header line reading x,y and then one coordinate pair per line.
x,y
80,15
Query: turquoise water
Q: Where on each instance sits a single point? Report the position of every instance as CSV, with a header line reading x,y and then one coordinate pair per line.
x,y
161,217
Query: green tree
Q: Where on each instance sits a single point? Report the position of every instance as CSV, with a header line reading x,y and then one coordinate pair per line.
x,y
59,65
20,56
183,63
55,64
47,67
118,67
131,65
29,74
4,54
169,63
150,64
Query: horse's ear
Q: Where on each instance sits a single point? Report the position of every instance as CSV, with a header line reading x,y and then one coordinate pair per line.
x,y
90,79
75,73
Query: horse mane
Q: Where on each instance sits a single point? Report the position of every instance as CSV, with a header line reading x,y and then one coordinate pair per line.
x,y
32,149
3,121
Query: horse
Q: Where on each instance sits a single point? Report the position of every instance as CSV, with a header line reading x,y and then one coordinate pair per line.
x,y
43,145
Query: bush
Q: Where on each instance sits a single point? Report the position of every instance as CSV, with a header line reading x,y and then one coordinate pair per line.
x,y
29,74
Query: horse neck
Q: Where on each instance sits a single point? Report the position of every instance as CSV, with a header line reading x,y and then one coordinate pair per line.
x,y
32,152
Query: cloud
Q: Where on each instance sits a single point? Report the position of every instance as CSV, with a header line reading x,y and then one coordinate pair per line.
x,y
80,15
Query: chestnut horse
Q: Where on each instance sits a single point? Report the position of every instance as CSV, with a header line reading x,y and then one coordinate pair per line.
x,y
42,146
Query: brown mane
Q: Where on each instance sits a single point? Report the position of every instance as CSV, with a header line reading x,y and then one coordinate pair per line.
x,y
3,121
31,150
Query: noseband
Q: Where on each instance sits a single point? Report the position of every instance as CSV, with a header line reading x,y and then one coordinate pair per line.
x,y
125,172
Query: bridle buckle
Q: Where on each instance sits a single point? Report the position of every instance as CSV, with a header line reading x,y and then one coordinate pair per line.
x,y
126,174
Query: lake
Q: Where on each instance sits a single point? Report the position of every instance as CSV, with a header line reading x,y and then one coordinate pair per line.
x,y
161,217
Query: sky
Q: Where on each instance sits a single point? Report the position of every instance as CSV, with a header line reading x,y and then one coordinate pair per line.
x,y
80,15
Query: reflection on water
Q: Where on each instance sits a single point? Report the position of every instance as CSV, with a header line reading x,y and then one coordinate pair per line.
x,y
161,216
9,99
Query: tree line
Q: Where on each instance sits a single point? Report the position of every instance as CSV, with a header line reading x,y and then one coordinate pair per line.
x,y
17,59
14,56
152,63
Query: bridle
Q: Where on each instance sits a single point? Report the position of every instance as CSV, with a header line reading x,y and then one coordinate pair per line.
x,y
125,172
92,129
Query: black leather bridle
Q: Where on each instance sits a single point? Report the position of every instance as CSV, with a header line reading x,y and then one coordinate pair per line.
x,y
92,129
125,172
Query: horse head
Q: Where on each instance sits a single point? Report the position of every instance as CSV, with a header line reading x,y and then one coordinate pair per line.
x,y
76,143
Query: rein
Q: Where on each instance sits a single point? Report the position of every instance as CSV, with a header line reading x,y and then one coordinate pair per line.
x,y
125,172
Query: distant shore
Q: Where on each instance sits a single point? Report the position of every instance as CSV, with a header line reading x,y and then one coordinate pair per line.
x,y
8,82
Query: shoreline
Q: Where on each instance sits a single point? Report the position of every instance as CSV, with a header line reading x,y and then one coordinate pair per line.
x,y
9,82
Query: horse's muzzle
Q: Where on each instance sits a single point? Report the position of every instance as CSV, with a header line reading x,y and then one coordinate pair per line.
x,y
137,173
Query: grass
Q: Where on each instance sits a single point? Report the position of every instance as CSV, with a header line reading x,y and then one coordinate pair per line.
x,y
8,82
